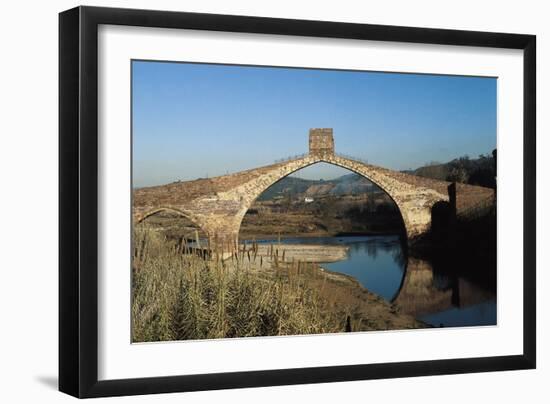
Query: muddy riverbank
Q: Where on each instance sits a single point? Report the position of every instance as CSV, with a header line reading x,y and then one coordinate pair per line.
x,y
303,252
345,296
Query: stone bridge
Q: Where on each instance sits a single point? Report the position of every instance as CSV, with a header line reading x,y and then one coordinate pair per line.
x,y
217,205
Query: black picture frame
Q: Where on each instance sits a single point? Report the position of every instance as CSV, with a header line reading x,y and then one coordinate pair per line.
x,y
78,201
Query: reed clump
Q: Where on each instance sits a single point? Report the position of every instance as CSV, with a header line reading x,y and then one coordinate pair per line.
x,y
179,295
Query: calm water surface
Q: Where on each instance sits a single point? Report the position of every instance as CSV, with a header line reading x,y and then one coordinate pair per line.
x,y
434,295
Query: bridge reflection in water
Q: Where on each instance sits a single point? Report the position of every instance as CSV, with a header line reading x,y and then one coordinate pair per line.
x,y
448,299
440,293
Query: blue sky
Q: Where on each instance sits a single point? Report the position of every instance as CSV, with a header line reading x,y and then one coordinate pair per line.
x,y
197,120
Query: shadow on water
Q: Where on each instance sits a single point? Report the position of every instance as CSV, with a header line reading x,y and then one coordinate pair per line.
x,y
441,292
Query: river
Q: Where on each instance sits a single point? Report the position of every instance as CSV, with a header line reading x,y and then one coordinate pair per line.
x,y
437,294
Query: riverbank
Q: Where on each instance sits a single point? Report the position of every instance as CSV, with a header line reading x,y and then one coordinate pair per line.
x,y
368,311
177,295
287,253
329,216
344,295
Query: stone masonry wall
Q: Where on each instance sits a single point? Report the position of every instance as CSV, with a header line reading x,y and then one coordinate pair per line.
x,y
219,204
321,141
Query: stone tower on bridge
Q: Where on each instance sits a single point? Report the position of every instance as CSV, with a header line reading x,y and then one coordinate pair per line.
x,y
321,142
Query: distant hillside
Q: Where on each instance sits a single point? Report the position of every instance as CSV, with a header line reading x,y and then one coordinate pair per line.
x,y
349,184
480,171
287,185
353,184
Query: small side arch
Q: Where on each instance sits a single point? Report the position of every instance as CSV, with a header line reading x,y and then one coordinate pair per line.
x,y
187,215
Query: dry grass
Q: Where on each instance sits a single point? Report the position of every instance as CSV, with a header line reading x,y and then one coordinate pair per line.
x,y
179,296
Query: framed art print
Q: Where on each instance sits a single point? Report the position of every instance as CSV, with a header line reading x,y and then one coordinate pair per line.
x,y
251,201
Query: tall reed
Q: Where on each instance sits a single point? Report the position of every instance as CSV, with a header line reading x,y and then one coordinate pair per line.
x,y
178,295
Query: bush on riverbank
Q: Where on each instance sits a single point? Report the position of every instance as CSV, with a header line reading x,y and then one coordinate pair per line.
x,y
181,296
